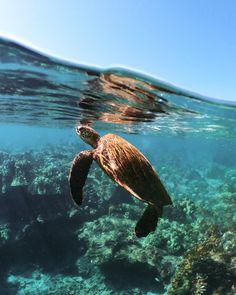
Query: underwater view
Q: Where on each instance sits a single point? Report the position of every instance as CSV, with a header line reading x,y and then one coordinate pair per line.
x,y
49,245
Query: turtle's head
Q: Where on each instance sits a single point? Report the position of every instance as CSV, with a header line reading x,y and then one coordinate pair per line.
x,y
88,135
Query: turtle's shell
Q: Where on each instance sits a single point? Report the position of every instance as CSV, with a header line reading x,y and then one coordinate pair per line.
x,y
127,166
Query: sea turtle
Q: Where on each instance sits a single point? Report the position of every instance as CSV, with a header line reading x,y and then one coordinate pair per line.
x,y
127,166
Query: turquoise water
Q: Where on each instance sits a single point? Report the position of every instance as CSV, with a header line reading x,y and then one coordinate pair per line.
x,y
49,246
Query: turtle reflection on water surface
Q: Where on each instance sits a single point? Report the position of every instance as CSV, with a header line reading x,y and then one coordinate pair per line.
x,y
127,166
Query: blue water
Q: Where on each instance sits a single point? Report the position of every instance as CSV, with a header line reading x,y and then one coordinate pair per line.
x,y
48,245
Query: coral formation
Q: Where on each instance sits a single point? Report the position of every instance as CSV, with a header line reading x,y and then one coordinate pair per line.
x,y
4,233
204,269
93,249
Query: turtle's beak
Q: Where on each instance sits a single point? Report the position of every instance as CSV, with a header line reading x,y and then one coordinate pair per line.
x,y
78,130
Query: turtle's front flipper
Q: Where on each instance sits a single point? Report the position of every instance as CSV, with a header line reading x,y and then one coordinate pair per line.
x,y
78,175
148,222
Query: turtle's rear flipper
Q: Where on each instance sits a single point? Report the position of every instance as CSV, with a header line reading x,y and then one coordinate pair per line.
x,y
148,222
78,175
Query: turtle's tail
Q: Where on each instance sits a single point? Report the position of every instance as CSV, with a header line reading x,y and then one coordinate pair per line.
x,y
148,222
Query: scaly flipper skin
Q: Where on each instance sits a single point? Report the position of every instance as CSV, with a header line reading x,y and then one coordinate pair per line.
x,y
148,222
78,175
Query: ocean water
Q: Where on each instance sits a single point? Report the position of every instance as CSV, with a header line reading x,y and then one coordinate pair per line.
x,y
48,245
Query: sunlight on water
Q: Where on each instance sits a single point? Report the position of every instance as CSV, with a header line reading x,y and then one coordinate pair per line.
x,y
48,245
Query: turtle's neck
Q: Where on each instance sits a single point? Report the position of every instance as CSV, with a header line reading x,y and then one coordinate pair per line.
x,y
95,139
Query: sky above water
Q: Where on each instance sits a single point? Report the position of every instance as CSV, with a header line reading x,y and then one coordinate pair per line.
x,y
186,42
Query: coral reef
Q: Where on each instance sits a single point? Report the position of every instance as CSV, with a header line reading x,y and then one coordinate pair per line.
x,y
204,269
6,171
4,233
49,246
40,172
